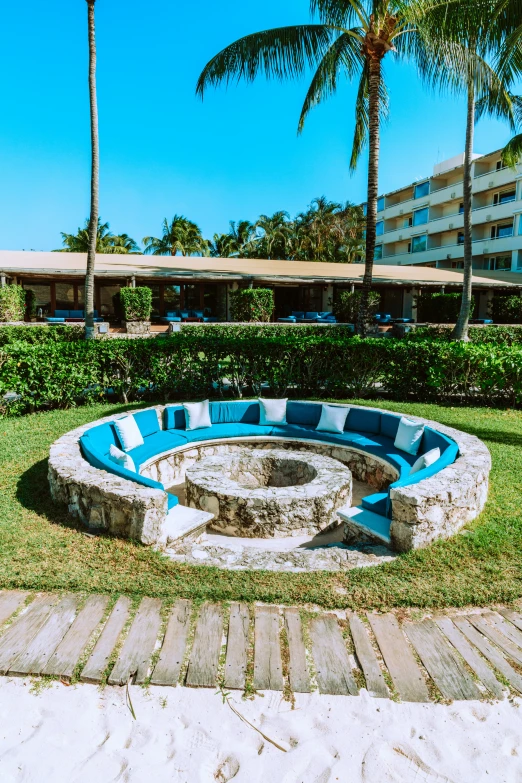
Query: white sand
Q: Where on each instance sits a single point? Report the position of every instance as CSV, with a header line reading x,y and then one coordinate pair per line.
x,y
81,735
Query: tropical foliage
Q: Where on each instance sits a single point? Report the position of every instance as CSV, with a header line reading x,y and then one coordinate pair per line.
x,y
136,303
12,303
326,231
348,303
106,241
252,304
181,236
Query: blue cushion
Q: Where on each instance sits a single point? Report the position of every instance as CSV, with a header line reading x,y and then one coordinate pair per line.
x,y
55,320
298,313
147,422
102,437
174,417
303,412
156,444
240,411
76,314
61,313
98,460
311,314
172,500
431,439
389,425
363,420
230,430
378,503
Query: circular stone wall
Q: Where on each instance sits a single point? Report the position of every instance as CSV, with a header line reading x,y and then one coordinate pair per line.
x,y
269,493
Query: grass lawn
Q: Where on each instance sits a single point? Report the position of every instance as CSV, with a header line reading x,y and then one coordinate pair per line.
x,y
42,548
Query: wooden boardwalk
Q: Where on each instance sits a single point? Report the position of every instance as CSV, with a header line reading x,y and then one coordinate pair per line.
x,y
448,656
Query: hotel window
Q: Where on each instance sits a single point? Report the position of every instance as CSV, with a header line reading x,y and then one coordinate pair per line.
x,y
377,254
42,294
500,263
461,208
460,238
172,298
192,296
420,216
422,189
418,244
380,204
499,165
505,230
365,209
65,296
108,303
505,197
407,222
379,228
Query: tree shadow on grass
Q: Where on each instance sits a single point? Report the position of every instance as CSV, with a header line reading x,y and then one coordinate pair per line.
x,y
33,493
502,437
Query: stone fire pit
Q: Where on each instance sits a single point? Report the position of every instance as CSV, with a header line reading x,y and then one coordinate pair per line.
x,y
269,493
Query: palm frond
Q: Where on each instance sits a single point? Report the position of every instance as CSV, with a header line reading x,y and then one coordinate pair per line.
x,y
512,152
342,13
344,56
284,52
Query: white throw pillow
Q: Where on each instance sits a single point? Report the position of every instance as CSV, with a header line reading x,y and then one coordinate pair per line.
x,y
272,411
425,460
409,436
120,458
197,415
333,419
128,433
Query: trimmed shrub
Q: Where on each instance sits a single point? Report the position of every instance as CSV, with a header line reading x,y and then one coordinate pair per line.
x,y
41,334
507,309
12,303
192,366
347,303
438,308
136,303
252,304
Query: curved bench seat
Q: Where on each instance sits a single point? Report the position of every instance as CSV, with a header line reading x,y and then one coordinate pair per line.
x,y
412,503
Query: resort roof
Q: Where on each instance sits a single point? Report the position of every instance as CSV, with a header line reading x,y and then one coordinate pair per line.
x,y
29,263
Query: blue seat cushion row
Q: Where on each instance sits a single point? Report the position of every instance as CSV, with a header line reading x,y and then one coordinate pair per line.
x,y
303,412
229,412
156,444
174,417
378,503
98,460
102,437
147,422
363,420
233,430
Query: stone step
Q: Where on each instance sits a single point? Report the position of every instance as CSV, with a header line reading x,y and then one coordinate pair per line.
x,y
359,519
182,521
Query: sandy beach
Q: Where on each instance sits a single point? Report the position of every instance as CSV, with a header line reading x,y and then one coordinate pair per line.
x,y
81,734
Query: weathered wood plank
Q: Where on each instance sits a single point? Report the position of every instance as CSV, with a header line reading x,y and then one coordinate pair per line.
x,y
95,667
237,646
34,658
442,665
134,658
10,601
204,659
375,682
399,659
332,664
19,635
298,674
504,627
513,617
168,667
495,636
489,652
268,666
64,659
473,660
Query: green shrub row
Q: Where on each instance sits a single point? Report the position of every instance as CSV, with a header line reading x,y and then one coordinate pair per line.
x,y
135,304
41,334
440,308
12,303
188,366
499,335
252,304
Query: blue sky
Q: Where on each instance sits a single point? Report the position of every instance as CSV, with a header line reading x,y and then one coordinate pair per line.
x,y
163,151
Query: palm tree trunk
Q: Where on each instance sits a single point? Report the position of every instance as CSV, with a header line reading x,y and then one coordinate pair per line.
x,y
95,179
460,331
373,184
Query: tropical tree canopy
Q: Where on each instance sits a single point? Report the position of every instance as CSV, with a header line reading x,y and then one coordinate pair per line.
x,y
106,241
179,236
326,231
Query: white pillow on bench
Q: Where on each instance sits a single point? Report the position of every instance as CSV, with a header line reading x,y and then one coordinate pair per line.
x,y
120,458
272,411
333,418
409,436
128,433
425,460
197,415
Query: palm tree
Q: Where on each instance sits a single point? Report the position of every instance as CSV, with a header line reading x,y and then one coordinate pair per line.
x,y
106,241
353,37
95,177
180,236
276,233
238,242
464,31
329,231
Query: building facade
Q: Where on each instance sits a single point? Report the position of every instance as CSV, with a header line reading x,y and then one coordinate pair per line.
x,y
422,223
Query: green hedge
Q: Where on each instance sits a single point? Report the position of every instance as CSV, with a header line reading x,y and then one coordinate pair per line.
x,y
252,304
12,303
507,309
40,334
136,303
347,304
187,366
499,335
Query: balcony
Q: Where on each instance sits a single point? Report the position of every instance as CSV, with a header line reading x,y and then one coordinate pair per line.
x,y
456,251
494,179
